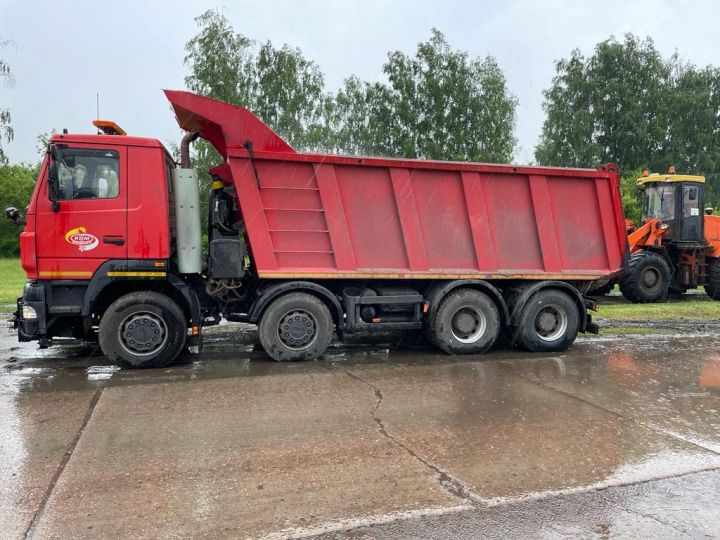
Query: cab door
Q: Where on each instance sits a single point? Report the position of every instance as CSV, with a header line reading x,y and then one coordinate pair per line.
x,y
691,211
90,224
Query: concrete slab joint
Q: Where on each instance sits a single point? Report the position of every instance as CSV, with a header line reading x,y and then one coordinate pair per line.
x,y
450,484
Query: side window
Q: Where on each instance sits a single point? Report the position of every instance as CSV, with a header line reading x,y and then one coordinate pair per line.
x,y
691,204
89,174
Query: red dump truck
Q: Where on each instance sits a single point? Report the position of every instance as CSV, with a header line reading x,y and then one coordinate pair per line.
x,y
306,245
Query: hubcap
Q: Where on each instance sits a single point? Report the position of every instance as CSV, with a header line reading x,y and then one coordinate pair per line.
x,y
551,323
297,329
468,324
142,334
650,278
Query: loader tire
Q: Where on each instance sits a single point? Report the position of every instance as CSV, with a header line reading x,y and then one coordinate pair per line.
x,y
646,279
143,330
296,326
712,287
466,322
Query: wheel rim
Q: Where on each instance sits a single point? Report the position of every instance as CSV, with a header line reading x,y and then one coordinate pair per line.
x,y
297,329
650,279
142,333
551,323
468,324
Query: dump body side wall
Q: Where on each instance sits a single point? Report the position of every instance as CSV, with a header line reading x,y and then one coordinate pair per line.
x,y
320,216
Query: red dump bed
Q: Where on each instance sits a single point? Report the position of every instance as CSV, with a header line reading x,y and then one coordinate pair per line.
x,y
329,216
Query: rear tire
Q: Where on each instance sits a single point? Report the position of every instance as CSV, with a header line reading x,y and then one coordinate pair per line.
x,y
646,278
296,326
712,287
467,322
550,322
143,330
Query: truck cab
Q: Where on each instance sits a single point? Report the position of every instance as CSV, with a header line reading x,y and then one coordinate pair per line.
x,y
99,220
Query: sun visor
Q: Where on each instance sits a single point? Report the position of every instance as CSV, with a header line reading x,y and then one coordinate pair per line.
x,y
224,125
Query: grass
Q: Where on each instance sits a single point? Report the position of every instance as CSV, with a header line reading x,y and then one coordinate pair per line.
x,y
690,307
625,330
633,330
12,280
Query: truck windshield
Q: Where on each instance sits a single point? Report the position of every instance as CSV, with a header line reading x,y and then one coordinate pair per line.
x,y
660,202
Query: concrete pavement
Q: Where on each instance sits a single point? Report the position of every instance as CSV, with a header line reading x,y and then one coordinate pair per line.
x,y
615,438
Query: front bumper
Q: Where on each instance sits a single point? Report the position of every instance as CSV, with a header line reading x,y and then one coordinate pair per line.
x,y
31,329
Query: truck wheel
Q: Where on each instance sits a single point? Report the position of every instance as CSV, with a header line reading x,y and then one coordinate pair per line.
x,y
712,287
143,329
296,326
646,278
549,322
467,322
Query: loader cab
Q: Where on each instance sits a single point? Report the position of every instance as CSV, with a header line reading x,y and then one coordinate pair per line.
x,y
678,201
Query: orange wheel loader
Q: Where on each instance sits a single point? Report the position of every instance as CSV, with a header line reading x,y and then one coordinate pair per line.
x,y
677,247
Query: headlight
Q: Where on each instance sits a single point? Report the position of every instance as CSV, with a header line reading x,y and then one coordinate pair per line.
x,y
28,312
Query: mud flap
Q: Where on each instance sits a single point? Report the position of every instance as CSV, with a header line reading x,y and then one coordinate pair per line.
x,y
590,326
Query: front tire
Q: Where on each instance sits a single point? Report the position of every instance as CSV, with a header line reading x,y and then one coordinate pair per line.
x,y
143,330
550,322
296,326
467,322
646,278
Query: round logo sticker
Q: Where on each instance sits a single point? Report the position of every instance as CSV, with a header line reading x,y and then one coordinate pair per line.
x,y
82,239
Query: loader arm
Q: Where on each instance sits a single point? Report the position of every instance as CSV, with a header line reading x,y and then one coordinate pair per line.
x,y
649,234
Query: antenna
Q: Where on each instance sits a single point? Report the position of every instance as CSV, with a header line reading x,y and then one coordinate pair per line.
x,y
97,103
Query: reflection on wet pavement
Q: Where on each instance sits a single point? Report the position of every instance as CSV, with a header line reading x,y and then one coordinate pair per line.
x,y
230,444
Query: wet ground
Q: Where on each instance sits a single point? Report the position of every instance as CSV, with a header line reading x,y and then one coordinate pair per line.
x,y
617,438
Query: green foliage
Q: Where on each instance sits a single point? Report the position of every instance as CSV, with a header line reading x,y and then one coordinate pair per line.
x,y
43,142
279,85
629,105
6,130
358,119
631,196
16,185
608,107
439,104
220,64
289,94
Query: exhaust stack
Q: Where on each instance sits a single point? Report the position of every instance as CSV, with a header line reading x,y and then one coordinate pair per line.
x,y
189,137
187,210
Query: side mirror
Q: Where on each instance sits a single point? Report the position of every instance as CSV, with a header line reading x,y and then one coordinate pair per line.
x,y
709,211
13,215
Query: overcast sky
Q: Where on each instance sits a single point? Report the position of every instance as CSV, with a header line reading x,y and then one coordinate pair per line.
x,y
64,52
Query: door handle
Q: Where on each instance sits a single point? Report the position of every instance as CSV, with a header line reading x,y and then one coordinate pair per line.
x,y
116,240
